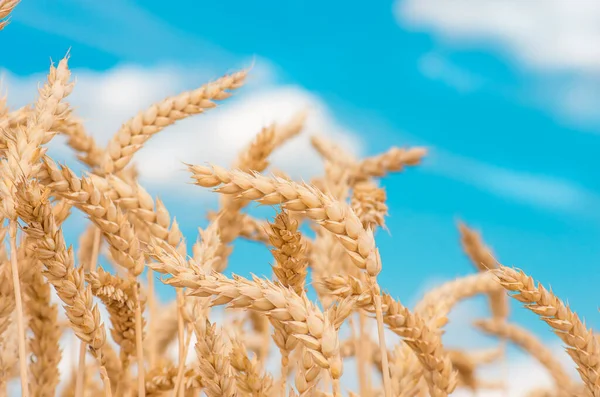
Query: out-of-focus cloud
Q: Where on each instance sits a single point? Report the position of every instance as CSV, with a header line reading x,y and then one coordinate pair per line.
x,y
536,190
105,100
547,34
439,68
556,40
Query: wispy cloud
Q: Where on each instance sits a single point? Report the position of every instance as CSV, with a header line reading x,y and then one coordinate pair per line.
x,y
117,27
536,190
439,68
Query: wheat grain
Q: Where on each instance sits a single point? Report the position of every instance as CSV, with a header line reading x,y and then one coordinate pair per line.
x,y
291,263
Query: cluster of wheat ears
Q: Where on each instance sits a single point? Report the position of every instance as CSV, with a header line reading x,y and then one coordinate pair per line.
x,y
345,207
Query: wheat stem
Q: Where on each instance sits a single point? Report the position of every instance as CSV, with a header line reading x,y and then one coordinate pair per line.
x,y
19,308
336,388
180,328
104,377
387,382
79,384
151,336
138,342
178,390
284,374
360,362
366,352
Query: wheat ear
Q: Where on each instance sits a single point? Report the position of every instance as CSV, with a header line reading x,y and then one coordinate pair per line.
x,y
395,159
44,344
308,324
253,158
291,262
118,231
337,217
118,296
89,152
6,7
482,258
249,377
580,342
214,364
50,249
135,132
426,343
24,145
9,123
368,201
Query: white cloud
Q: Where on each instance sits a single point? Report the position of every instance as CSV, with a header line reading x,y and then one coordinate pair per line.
x,y
105,100
549,34
557,39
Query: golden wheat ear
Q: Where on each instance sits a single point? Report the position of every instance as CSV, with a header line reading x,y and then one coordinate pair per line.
x,y
6,7
581,343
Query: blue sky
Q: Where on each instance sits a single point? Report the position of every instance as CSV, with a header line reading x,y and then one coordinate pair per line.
x,y
509,109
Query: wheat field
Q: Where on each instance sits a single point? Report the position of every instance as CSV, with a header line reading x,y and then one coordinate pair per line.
x,y
234,336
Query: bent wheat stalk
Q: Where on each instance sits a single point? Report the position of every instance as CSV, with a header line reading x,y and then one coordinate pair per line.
x,y
581,343
532,345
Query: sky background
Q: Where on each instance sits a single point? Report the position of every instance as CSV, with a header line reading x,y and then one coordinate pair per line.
x,y
505,95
